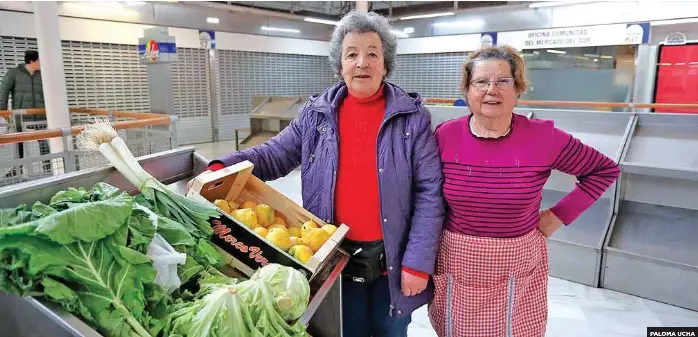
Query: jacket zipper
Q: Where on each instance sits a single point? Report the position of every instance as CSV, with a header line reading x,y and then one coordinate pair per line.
x,y
33,98
330,216
380,195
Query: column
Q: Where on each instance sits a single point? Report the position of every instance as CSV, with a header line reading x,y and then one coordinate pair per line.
x,y
362,6
52,73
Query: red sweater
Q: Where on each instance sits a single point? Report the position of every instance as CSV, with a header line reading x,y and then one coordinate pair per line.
x,y
357,201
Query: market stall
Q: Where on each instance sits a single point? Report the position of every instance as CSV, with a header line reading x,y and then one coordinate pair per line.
x,y
575,251
270,115
651,250
22,317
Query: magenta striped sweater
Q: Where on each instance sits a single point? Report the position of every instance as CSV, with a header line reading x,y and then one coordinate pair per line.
x,y
493,187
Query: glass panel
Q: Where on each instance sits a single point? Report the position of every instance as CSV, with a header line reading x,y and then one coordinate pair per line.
x,y
591,74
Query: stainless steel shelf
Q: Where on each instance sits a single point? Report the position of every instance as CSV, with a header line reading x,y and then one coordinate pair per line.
x,y
651,250
575,251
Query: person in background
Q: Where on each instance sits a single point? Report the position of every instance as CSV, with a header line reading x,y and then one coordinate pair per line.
x,y
23,83
492,266
369,159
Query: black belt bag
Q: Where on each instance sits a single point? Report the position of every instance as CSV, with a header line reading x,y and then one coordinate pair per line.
x,y
367,262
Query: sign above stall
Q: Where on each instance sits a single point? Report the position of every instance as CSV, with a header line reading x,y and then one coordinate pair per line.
x,y
207,38
571,37
488,39
157,46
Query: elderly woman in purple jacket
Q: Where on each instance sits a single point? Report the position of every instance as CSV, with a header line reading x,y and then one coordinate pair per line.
x,y
369,159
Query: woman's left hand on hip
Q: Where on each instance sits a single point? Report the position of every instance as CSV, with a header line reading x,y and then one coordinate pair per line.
x,y
549,223
412,285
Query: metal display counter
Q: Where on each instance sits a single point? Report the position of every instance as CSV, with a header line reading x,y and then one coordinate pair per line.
x,y
575,251
269,116
29,317
652,249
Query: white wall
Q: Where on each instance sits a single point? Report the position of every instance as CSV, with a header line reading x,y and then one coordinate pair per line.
x,y
270,44
439,44
86,30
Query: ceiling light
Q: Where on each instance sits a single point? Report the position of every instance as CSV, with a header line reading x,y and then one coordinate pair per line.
x,y
213,20
285,30
673,22
557,3
327,22
553,51
596,60
606,57
399,33
473,23
425,16
408,30
591,55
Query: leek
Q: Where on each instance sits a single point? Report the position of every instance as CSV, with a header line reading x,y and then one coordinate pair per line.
x,y
101,136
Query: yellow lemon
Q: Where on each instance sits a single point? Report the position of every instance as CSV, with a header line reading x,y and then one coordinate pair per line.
x,y
307,226
262,231
280,238
315,238
294,231
247,217
279,227
223,205
295,241
233,205
265,215
280,220
249,204
330,229
301,252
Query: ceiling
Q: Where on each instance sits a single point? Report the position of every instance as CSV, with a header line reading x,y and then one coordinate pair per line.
x,y
336,9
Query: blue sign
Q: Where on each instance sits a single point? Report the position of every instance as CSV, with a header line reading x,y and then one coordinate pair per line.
x,y
637,33
207,39
152,51
488,39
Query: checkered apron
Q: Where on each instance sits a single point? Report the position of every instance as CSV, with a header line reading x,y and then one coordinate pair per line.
x,y
491,287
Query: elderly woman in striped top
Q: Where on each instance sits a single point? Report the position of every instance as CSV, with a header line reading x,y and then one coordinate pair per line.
x,y
492,267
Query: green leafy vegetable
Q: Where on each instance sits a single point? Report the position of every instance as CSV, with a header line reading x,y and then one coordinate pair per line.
x,y
106,277
261,301
14,216
86,251
290,288
222,312
78,257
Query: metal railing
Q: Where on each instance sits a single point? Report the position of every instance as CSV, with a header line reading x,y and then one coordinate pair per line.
x,y
580,104
26,153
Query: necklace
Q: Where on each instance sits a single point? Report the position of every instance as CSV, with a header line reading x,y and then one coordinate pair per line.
x,y
480,132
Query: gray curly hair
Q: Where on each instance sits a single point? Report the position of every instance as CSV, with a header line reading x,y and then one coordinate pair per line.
x,y
359,22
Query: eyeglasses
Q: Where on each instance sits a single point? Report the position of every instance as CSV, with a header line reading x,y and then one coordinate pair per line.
x,y
502,83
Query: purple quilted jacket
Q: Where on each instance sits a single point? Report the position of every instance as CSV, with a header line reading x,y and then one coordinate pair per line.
x,y
410,178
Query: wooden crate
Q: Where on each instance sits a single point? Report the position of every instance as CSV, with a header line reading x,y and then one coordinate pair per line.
x,y
243,247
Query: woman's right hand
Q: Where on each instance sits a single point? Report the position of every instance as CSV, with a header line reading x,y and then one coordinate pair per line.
x,y
191,181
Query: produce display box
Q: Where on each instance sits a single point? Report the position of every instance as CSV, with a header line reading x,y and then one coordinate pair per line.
x,y
245,249
32,317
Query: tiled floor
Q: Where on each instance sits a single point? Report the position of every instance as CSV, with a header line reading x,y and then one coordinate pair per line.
x,y
574,310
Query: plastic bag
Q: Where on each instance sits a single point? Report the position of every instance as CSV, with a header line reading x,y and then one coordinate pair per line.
x,y
165,258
